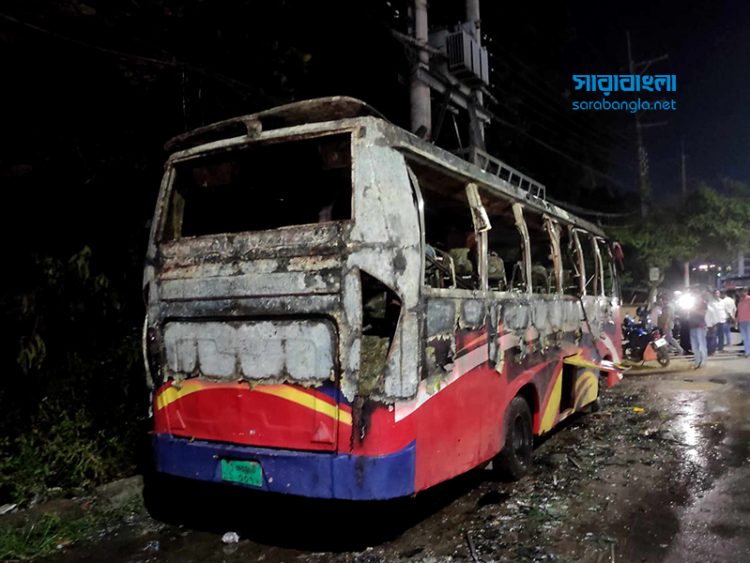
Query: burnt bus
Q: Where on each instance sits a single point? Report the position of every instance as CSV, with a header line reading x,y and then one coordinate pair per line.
x,y
339,309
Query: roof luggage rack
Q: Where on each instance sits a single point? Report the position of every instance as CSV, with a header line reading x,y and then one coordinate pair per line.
x,y
498,168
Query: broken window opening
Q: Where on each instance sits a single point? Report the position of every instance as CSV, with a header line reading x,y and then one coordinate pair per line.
x,y
542,264
452,251
261,187
505,269
381,310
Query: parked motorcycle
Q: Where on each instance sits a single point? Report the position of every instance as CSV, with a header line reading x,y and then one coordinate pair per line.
x,y
643,343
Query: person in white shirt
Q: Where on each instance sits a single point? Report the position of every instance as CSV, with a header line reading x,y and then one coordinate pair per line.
x,y
730,308
714,321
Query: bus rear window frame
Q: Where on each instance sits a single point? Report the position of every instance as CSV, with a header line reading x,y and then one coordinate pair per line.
x,y
234,145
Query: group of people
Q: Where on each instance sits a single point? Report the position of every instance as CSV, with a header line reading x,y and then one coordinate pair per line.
x,y
709,321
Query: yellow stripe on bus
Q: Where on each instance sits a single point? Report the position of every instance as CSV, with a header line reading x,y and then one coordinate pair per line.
x,y
552,409
587,388
172,394
306,400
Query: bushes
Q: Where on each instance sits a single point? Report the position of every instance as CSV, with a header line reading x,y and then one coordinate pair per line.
x,y
62,449
74,397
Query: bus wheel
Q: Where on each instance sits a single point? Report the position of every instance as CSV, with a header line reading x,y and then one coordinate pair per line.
x,y
514,461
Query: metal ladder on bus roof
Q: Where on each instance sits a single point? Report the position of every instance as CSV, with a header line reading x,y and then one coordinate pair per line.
x,y
498,168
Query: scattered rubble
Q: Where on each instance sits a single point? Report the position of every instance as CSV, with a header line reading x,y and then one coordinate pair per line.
x,y
230,537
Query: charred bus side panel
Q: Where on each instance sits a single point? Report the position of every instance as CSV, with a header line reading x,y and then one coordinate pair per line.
x,y
293,340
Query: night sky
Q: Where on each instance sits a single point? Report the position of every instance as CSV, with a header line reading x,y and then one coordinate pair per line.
x,y
708,44
78,115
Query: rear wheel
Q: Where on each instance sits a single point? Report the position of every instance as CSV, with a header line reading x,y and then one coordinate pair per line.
x,y
163,497
514,461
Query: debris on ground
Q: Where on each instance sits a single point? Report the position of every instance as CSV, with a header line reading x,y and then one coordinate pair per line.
x,y
230,537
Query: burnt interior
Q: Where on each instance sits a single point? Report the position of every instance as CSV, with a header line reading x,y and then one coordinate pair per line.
x,y
451,240
542,264
381,309
504,245
262,186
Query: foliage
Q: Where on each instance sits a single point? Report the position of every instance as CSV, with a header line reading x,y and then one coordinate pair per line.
x,y
74,402
41,534
721,221
712,224
62,449
41,537
35,539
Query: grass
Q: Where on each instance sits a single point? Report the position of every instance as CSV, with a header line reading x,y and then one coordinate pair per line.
x,y
41,537
45,534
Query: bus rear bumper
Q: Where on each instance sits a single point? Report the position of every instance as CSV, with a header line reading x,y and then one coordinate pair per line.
x,y
309,474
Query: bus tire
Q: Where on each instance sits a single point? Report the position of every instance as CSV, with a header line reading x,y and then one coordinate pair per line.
x,y
161,497
514,460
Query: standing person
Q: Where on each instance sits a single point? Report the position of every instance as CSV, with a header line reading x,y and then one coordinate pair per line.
x,y
697,324
714,322
655,312
743,319
730,308
666,324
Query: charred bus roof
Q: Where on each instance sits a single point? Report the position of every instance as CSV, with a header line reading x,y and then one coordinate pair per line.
x,y
343,108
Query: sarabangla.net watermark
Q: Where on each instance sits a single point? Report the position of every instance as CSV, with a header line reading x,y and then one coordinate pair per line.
x,y
608,83
631,106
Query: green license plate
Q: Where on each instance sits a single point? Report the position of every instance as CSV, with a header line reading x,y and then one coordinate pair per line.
x,y
243,472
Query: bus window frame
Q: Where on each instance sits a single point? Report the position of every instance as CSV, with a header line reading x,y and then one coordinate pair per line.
x,y
482,224
481,248
238,144
553,232
599,277
596,277
419,201
525,244
578,259
615,289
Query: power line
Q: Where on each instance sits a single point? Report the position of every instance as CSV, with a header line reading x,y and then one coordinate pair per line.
x,y
583,211
562,131
559,113
533,84
182,65
237,83
555,150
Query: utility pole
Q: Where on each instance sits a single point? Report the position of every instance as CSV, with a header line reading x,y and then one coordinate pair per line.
x,y
476,127
644,184
644,188
684,176
421,106
686,271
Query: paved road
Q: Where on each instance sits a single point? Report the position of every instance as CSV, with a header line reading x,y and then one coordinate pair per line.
x,y
661,474
714,425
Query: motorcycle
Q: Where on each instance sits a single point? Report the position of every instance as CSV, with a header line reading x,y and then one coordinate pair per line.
x,y
643,343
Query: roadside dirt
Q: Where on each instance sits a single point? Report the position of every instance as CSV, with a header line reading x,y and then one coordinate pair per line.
x,y
651,477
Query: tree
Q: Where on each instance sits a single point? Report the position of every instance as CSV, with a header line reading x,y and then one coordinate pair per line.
x,y
712,224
